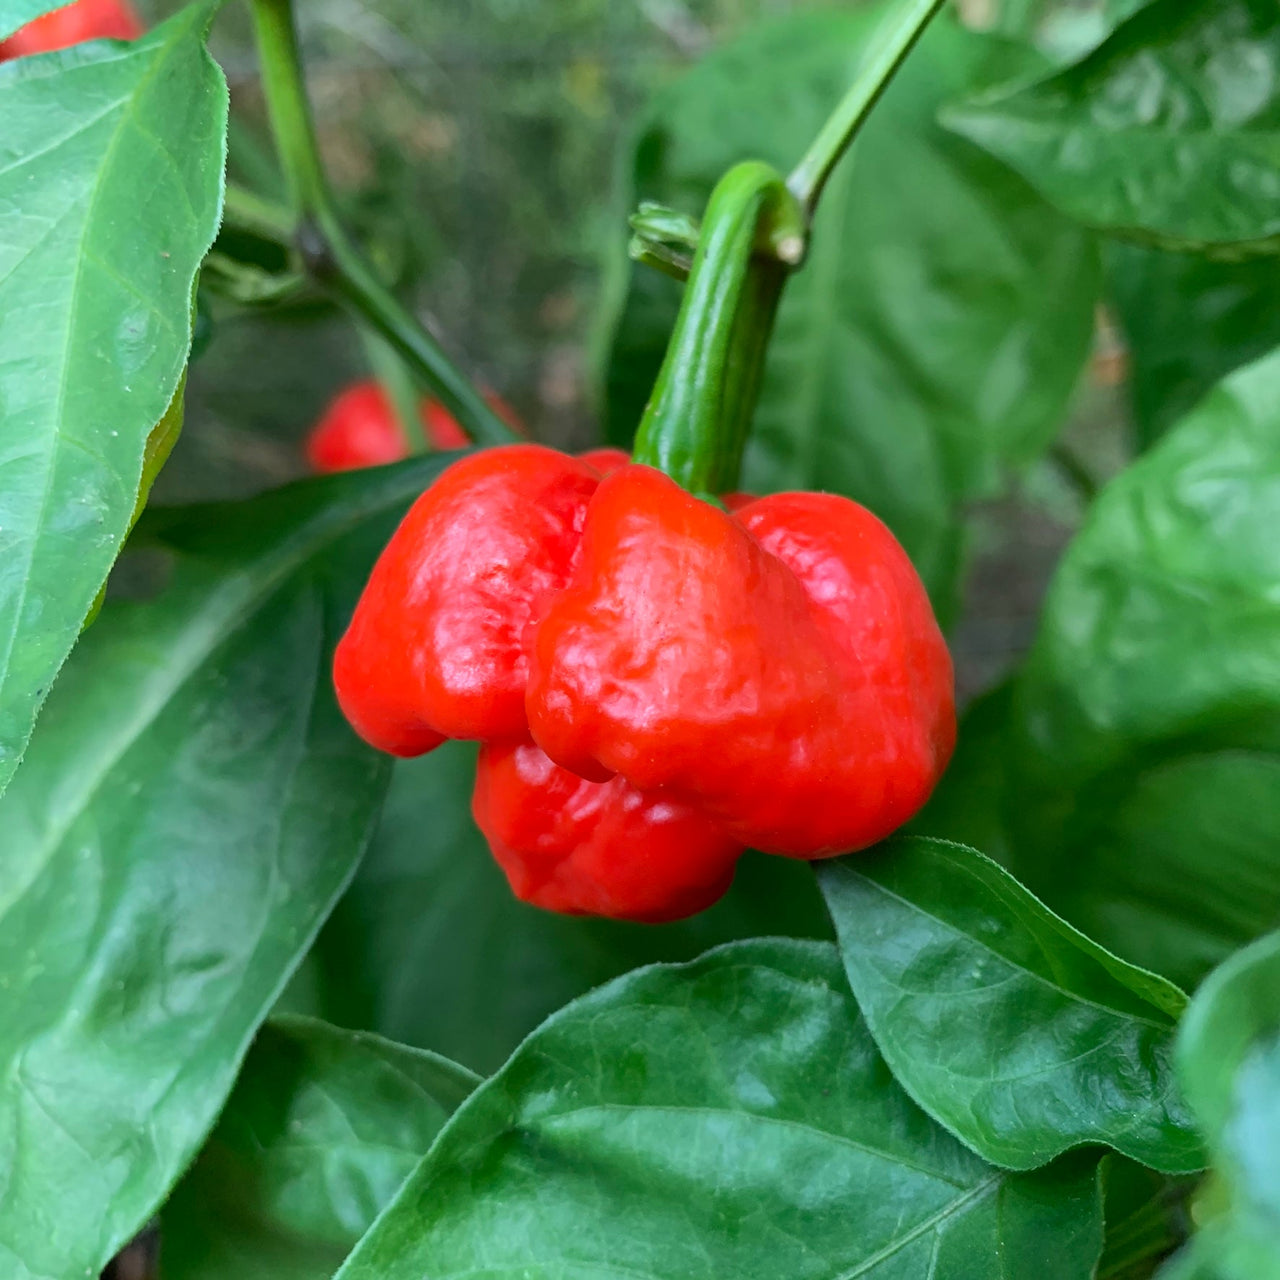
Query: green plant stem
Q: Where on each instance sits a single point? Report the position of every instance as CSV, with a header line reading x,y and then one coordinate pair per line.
x,y
887,49
754,231
328,252
695,424
748,347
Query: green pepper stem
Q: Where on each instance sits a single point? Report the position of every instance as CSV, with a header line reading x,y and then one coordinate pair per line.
x,y
328,252
888,47
695,425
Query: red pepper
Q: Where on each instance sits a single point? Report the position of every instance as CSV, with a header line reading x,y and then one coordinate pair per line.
x,y
596,848
360,428
72,24
444,431
442,427
710,680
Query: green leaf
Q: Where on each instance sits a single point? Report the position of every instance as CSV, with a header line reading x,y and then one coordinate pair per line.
x,y
944,314
430,947
111,170
17,13
1145,752
728,1117
320,1131
1188,322
1012,1030
192,804
1168,132
1146,1216
1229,1055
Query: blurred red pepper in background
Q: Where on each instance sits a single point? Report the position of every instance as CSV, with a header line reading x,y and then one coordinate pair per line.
x,y
360,428
83,20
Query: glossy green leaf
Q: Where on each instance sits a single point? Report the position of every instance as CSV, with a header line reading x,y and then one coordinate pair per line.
x,y
1188,322
1009,1027
164,435
1229,1054
1168,132
192,804
320,1131
1145,754
111,164
430,947
728,1117
944,314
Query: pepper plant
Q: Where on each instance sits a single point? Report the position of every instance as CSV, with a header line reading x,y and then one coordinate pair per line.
x,y
1007,1003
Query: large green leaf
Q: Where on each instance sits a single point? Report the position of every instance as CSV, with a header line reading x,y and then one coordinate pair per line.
x,y
1003,1022
1229,1053
111,178
1145,755
945,311
728,1117
1168,132
1188,322
192,804
320,1131
430,947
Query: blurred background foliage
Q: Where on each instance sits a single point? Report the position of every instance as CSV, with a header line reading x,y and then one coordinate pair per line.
x,y
476,146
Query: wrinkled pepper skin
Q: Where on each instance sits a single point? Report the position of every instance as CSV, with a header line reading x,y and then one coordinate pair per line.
x,y
73,24
780,669
596,848
768,676
360,428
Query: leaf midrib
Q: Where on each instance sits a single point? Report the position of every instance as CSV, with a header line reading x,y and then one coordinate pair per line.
x,y
549,1120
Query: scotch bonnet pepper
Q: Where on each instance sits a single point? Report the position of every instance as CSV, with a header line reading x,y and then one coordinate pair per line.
x,y
659,682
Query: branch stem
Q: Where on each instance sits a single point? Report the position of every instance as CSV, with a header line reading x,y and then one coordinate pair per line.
x,y
886,51
330,255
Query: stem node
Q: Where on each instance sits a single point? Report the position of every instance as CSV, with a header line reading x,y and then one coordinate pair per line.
x,y
313,249
327,251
